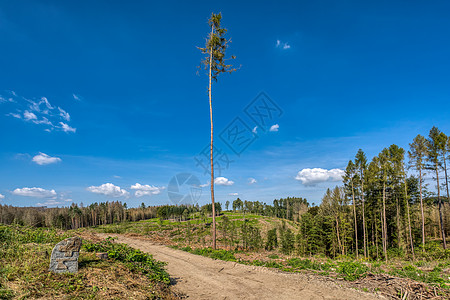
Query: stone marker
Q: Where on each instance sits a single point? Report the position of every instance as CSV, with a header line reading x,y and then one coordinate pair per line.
x,y
64,257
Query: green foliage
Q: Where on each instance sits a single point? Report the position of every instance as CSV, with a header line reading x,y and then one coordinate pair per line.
x,y
133,258
287,241
267,264
302,264
251,236
352,270
215,254
5,293
219,254
435,277
215,48
396,253
272,240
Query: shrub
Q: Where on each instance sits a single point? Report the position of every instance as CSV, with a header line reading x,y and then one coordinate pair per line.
x,y
272,240
287,241
215,254
352,270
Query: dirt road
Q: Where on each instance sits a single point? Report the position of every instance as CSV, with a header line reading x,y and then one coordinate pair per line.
x,y
200,277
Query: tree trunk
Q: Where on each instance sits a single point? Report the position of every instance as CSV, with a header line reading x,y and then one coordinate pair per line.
x,y
446,186
398,223
364,219
446,178
341,248
421,209
211,150
384,222
409,220
440,208
356,224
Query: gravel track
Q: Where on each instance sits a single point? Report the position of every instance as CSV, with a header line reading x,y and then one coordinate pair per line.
x,y
200,277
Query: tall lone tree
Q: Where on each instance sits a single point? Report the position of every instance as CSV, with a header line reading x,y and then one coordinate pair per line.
x,y
215,63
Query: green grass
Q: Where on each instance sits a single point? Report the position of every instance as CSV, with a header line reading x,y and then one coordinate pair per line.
x,y
135,259
211,253
24,263
345,267
434,277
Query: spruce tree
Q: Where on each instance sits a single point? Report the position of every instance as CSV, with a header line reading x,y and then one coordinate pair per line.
x,y
361,165
215,63
435,146
350,173
417,155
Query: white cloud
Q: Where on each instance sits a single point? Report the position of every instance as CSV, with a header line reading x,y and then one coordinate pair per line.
x,y
3,99
50,203
67,128
252,181
255,130
204,185
43,121
282,45
2,196
36,106
63,114
233,194
44,159
39,112
29,116
34,192
76,97
14,115
318,175
146,190
108,189
274,128
223,181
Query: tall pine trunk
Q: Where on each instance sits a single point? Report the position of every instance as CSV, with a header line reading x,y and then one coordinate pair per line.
x,y
446,178
341,247
440,208
384,223
356,223
421,209
364,220
211,150
409,221
398,223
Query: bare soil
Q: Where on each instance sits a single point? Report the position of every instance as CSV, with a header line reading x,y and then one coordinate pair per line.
x,y
198,277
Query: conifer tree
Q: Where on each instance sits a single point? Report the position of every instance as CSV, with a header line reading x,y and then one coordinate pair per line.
x,y
215,63
361,164
417,156
349,177
435,145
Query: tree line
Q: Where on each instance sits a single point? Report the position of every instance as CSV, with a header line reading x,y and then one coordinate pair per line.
x,y
290,208
380,211
75,216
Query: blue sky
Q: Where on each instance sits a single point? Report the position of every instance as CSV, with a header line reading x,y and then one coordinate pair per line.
x,y
100,100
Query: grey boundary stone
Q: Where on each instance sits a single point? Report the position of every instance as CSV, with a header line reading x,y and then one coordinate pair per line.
x,y
64,258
